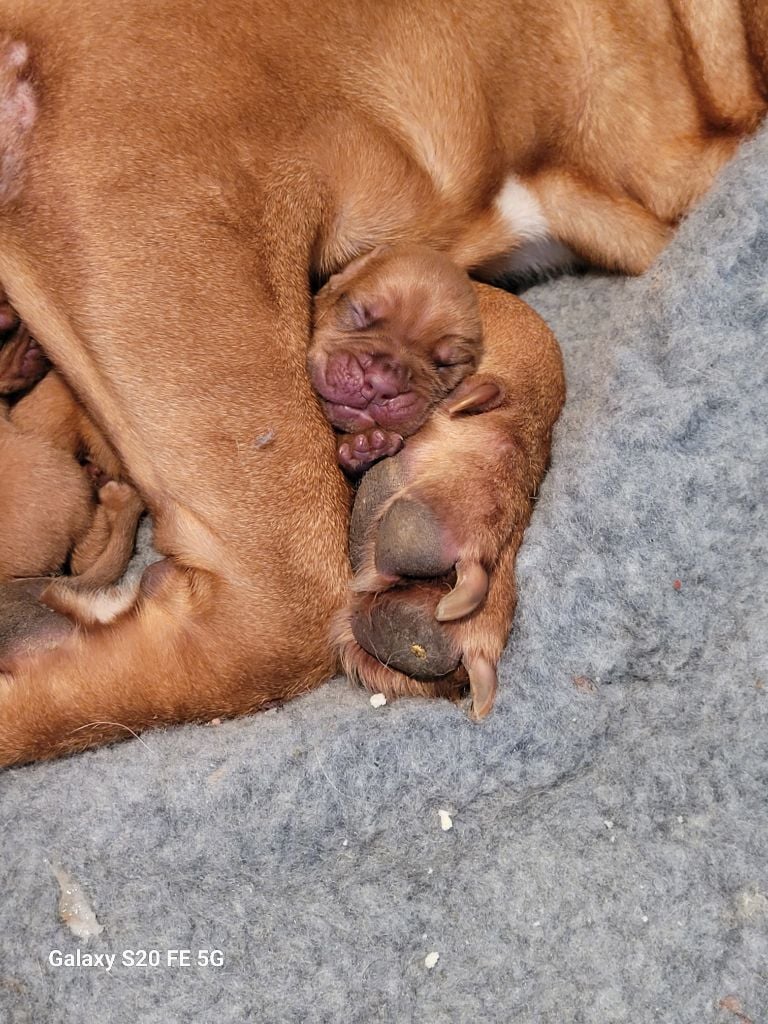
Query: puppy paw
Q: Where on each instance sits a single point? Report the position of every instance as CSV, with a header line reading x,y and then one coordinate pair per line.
x,y
358,452
116,496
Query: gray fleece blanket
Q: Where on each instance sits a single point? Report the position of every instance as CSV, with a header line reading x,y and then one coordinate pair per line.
x,y
607,855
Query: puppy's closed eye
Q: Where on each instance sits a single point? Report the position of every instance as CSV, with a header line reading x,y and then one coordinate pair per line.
x,y
456,352
356,314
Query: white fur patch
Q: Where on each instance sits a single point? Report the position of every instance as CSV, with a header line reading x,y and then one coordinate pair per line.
x,y
102,606
106,605
521,210
539,252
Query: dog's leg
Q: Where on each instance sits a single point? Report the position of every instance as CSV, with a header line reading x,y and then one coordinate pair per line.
x,y
103,555
437,528
222,436
716,50
608,230
237,615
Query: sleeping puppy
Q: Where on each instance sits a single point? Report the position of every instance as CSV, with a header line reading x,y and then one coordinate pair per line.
x,y
46,503
394,334
398,342
63,499
22,361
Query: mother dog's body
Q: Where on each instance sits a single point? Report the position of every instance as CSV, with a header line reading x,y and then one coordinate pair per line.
x,y
173,176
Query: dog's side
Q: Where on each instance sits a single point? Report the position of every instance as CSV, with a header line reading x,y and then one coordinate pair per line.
x,y
167,197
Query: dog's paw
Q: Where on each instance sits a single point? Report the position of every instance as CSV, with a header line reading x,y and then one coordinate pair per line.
x,y
358,452
117,496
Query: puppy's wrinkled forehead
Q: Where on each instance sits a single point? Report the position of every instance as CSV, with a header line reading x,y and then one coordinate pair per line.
x,y
410,292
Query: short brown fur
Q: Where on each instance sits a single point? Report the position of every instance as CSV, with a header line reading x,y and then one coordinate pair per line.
x,y
190,168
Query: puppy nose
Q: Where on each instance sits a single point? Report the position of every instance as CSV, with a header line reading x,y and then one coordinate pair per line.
x,y
384,380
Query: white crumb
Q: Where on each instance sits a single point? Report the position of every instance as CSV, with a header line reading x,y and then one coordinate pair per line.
x,y
608,824
644,919
74,908
446,821
264,439
378,700
430,960
345,842
680,819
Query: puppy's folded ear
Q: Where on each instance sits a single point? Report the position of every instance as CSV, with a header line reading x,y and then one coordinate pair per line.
x,y
338,281
479,393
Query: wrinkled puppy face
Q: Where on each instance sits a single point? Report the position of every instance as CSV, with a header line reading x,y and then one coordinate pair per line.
x,y
394,333
22,361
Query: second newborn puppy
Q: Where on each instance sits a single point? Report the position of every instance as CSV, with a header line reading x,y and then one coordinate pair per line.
x,y
395,333
62,498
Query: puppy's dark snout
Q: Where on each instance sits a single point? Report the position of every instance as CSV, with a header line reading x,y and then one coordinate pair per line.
x,y
384,378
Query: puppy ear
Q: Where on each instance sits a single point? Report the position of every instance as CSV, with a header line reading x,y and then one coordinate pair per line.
x,y
478,393
352,269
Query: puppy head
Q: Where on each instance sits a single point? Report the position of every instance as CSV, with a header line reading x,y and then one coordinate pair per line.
x,y
394,333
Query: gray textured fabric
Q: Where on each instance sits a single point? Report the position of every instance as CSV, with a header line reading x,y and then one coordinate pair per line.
x,y
607,857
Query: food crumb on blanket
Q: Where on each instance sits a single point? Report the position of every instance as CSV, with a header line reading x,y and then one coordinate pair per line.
x,y
75,910
378,700
430,960
446,821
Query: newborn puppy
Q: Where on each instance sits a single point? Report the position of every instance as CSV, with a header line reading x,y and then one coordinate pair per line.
x,y
46,503
395,332
22,361
61,497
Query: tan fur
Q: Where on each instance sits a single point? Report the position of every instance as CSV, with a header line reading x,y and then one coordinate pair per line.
x,y
401,322
50,512
191,168
46,504
479,475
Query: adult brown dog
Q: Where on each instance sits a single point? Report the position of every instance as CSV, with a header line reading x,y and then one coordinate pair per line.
x,y
173,176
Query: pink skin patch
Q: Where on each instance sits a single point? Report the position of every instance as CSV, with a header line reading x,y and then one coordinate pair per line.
x,y
34,363
18,111
358,452
22,361
364,390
